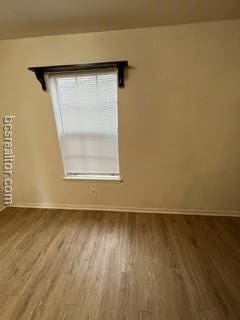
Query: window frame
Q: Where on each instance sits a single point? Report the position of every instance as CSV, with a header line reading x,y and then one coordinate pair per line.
x,y
84,177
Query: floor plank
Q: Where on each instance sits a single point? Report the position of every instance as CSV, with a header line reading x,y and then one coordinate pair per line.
x,y
58,264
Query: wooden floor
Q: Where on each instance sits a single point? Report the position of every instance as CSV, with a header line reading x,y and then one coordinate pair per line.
x,y
57,264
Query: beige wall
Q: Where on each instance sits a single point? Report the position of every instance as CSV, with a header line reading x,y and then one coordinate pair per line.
x,y
179,117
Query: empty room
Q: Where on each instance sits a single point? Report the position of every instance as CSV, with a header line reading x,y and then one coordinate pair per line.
x,y
120,160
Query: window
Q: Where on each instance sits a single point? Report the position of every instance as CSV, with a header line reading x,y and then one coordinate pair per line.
x,y
85,108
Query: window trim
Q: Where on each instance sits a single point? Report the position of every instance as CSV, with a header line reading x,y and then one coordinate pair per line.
x,y
116,178
103,178
119,65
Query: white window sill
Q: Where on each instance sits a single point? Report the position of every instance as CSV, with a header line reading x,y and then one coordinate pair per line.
x,y
94,178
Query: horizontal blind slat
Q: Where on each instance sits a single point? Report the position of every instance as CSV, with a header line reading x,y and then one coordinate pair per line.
x,y
85,108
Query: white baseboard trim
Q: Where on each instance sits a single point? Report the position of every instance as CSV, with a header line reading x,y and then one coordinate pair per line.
x,y
1,209
229,213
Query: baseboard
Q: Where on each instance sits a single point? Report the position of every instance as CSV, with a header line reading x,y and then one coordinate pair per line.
x,y
229,213
1,209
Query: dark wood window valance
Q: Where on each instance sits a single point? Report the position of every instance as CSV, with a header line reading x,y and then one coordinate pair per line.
x,y
119,65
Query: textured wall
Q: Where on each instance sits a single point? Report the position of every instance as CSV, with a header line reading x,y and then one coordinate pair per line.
x,y
178,117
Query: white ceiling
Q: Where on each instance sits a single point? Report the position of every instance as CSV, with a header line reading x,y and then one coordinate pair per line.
x,y
25,18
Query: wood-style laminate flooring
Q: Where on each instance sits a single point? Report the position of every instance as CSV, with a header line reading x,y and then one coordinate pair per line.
x,y
59,264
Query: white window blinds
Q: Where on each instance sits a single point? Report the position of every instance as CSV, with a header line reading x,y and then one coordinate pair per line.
x,y
85,108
